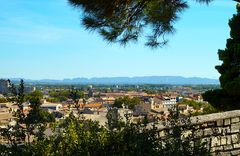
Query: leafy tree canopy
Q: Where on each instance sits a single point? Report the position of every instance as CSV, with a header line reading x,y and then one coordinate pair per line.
x,y
122,21
127,101
207,108
60,96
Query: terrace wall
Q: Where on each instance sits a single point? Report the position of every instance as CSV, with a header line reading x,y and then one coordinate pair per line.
x,y
220,130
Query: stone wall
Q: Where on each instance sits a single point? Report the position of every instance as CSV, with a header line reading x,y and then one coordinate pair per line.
x,y
221,131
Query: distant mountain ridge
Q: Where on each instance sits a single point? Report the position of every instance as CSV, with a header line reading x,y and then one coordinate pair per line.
x,y
176,80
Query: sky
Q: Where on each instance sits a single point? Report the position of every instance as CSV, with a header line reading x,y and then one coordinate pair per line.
x,y
45,40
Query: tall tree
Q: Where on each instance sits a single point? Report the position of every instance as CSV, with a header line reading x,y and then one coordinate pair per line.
x,y
37,118
15,134
228,97
122,21
127,101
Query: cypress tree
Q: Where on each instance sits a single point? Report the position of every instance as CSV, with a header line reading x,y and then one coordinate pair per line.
x,y
228,97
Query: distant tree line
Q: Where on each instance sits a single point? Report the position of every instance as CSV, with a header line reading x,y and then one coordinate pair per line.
x,y
63,95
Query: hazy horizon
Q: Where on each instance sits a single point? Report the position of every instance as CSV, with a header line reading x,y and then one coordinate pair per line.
x,y
106,77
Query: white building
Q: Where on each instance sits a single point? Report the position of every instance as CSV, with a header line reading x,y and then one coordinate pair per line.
x,y
169,102
163,102
52,106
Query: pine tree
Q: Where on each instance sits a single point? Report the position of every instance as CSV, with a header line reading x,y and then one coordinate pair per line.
x,y
123,21
228,97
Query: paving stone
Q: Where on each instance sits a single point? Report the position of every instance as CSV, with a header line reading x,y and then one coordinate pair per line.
x,y
224,154
227,122
228,147
235,152
215,142
235,128
235,138
234,120
229,139
223,140
218,148
198,133
219,122
211,124
204,125
236,145
208,132
217,131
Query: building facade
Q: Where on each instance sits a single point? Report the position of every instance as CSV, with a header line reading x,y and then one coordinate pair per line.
x,y
4,86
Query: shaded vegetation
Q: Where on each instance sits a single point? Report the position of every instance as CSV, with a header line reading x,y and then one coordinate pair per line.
x,y
228,97
3,100
206,107
127,101
61,96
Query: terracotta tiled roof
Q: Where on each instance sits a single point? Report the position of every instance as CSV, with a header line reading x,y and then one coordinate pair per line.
x,y
92,105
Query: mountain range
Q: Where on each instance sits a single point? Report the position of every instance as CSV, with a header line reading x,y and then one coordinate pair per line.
x,y
176,80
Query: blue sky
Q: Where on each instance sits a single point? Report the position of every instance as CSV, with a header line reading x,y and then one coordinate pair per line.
x,y
44,39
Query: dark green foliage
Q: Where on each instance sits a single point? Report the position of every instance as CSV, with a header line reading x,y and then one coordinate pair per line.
x,y
127,101
53,100
36,94
228,97
20,99
3,100
60,96
113,119
221,100
37,115
207,108
18,132
194,104
57,114
126,20
175,144
36,119
151,91
77,136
